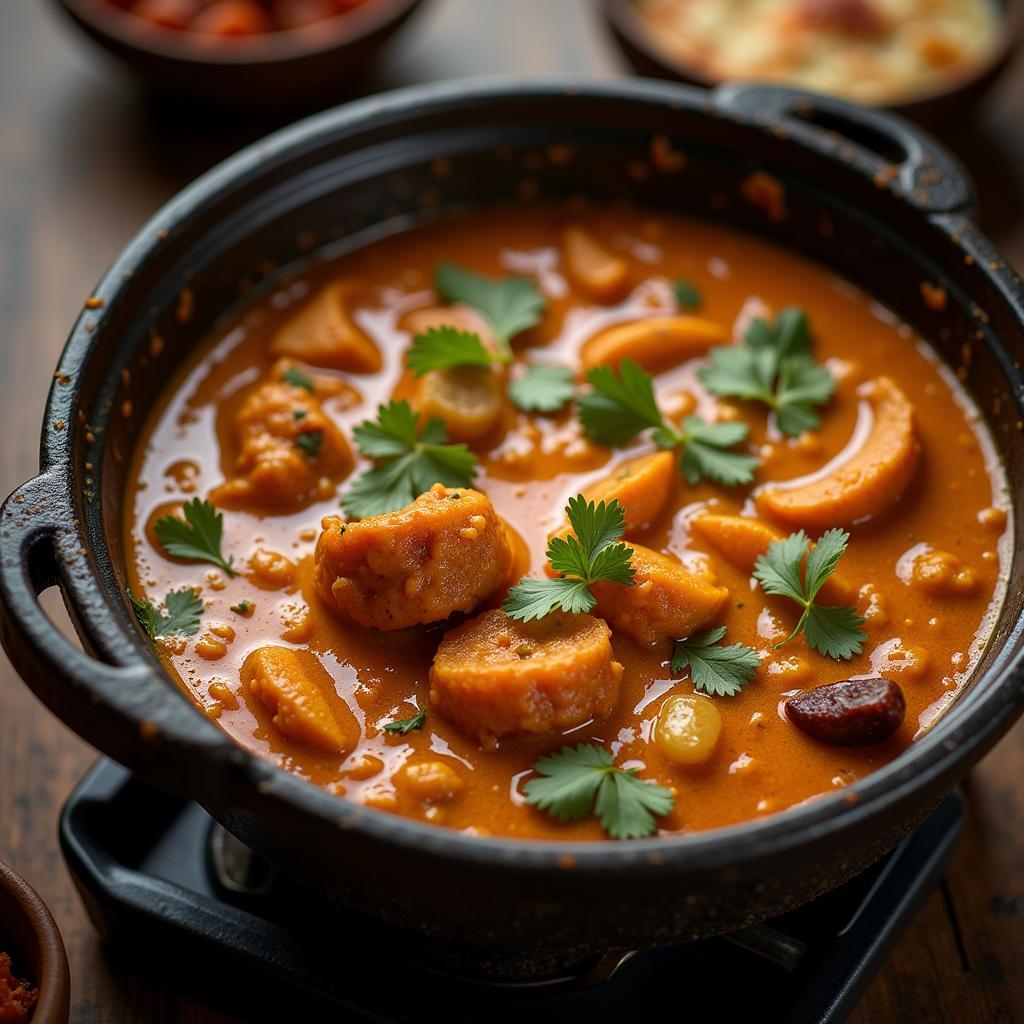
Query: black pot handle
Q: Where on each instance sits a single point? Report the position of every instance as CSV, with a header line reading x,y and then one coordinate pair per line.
x,y
886,148
117,701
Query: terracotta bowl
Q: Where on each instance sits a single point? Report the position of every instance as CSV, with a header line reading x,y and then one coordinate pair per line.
x,y
29,933
278,69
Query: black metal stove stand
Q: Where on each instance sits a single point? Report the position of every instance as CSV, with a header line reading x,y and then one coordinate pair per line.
x,y
166,886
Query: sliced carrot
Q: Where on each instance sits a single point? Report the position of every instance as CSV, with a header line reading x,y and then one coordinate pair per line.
x,y
868,483
656,343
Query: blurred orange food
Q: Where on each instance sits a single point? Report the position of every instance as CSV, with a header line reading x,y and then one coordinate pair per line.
x,y
229,19
17,997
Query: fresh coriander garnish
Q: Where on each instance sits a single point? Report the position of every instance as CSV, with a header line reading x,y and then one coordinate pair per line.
x,y
184,609
623,405
409,460
510,304
774,365
310,442
687,295
299,414
440,348
197,537
539,389
718,671
831,630
404,726
542,388
580,781
243,607
590,554
298,379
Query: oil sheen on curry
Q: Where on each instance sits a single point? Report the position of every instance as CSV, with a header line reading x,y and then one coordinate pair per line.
x,y
569,524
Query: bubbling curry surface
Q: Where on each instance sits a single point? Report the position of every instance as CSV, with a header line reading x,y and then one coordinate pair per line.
x,y
925,630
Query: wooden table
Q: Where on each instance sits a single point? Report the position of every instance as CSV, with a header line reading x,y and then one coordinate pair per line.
x,y
83,161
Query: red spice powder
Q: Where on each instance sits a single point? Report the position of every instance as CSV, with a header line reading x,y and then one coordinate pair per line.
x,y
17,998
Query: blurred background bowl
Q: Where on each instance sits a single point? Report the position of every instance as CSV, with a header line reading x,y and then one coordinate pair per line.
x,y
636,39
271,70
29,934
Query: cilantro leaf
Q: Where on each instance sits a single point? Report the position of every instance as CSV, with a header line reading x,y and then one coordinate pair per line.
x,y
834,631
196,537
244,607
409,460
533,599
510,304
298,379
184,609
442,347
590,554
774,366
718,671
542,388
705,452
310,441
687,294
404,726
622,406
581,781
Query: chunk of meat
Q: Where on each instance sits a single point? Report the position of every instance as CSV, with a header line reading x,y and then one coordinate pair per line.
x,y
322,333
741,541
656,343
445,553
597,271
299,693
289,452
496,677
641,486
666,600
874,478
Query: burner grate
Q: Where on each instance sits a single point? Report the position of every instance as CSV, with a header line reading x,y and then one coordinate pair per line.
x,y
185,891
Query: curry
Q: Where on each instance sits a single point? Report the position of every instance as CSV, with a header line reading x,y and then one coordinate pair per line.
x,y
582,498
871,51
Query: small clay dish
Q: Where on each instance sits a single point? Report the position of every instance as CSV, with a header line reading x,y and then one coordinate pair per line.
x,y
272,70
29,935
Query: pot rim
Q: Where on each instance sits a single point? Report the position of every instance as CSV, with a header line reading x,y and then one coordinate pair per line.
x,y
969,727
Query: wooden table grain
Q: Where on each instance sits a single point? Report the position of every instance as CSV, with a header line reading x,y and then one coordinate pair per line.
x,y
84,160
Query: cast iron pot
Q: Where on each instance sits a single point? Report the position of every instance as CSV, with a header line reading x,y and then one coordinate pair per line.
x,y
865,194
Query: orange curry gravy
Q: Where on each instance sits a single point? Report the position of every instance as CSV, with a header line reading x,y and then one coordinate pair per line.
x,y
926,640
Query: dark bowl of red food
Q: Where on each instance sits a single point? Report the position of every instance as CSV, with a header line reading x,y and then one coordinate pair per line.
x,y
936,105
34,979
243,53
